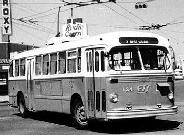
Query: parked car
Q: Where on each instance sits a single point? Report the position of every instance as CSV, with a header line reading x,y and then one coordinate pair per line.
x,y
178,74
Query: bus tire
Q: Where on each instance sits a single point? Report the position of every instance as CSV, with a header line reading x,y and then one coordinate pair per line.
x,y
22,107
79,115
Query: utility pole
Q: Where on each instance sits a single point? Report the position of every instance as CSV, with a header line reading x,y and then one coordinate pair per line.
x,y
72,12
72,15
58,33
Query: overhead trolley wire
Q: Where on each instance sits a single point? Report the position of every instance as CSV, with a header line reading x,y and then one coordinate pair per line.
x,y
42,12
34,3
27,32
120,14
132,13
53,13
33,26
23,8
113,26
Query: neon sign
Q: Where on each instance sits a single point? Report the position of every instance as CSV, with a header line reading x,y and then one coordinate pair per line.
x,y
6,14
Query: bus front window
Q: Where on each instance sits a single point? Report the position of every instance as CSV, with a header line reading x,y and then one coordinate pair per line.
x,y
145,57
124,58
154,58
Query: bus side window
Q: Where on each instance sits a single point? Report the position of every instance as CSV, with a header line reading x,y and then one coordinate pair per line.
x,y
90,62
53,63
87,61
22,67
16,67
62,63
71,61
45,65
79,60
96,61
102,54
38,65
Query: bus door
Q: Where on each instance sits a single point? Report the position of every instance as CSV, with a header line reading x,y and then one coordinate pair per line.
x,y
95,83
29,82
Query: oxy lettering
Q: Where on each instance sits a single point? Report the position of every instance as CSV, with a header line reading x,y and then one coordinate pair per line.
x,y
5,2
6,28
6,20
5,11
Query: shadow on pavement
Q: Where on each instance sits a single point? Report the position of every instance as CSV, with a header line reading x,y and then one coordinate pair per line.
x,y
51,117
139,125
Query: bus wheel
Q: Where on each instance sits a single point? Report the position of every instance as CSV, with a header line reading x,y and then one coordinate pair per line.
x,y
80,115
22,107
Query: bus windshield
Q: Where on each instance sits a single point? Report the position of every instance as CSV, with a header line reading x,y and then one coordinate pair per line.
x,y
138,58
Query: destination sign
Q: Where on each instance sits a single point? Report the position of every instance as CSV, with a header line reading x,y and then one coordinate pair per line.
x,y
138,40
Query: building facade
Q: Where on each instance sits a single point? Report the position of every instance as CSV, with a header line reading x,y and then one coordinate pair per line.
x,y
6,49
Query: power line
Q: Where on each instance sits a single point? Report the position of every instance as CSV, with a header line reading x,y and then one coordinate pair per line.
x,y
53,13
52,26
157,26
179,32
132,13
43,16
176,19
41,12
148,0
120,14
166,33
27,32
23,8
174,23
113,26
33,27
34,3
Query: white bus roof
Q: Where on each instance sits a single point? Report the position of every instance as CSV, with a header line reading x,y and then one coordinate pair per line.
x,y
108,39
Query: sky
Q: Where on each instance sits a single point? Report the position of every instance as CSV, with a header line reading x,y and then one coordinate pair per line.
x,y
35,21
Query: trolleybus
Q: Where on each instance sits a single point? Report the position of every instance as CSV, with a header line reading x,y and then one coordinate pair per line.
x,y
111,76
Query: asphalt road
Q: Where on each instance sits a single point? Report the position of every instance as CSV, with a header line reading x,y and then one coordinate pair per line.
x,y
179,91
47,123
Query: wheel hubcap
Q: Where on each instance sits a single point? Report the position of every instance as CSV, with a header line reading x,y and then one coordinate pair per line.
x,y
81,117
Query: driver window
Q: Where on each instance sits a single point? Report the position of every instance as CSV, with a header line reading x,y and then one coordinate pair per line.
x,y
124,59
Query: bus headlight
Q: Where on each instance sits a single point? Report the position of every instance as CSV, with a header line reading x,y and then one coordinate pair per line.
x,y
113,97
170,96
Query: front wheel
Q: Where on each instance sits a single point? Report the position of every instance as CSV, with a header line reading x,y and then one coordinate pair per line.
x,y
79,115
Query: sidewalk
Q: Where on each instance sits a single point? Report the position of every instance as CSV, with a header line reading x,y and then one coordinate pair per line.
x,y
4,99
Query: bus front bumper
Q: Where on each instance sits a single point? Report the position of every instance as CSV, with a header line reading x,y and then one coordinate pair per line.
x,y
121,114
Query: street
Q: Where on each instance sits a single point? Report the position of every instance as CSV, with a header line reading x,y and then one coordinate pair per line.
x,y
47,123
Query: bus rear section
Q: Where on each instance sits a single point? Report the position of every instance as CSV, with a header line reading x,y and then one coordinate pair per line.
x,y
140,82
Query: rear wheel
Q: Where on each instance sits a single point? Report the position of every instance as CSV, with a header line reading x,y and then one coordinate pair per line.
x,y
79,115
22,107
